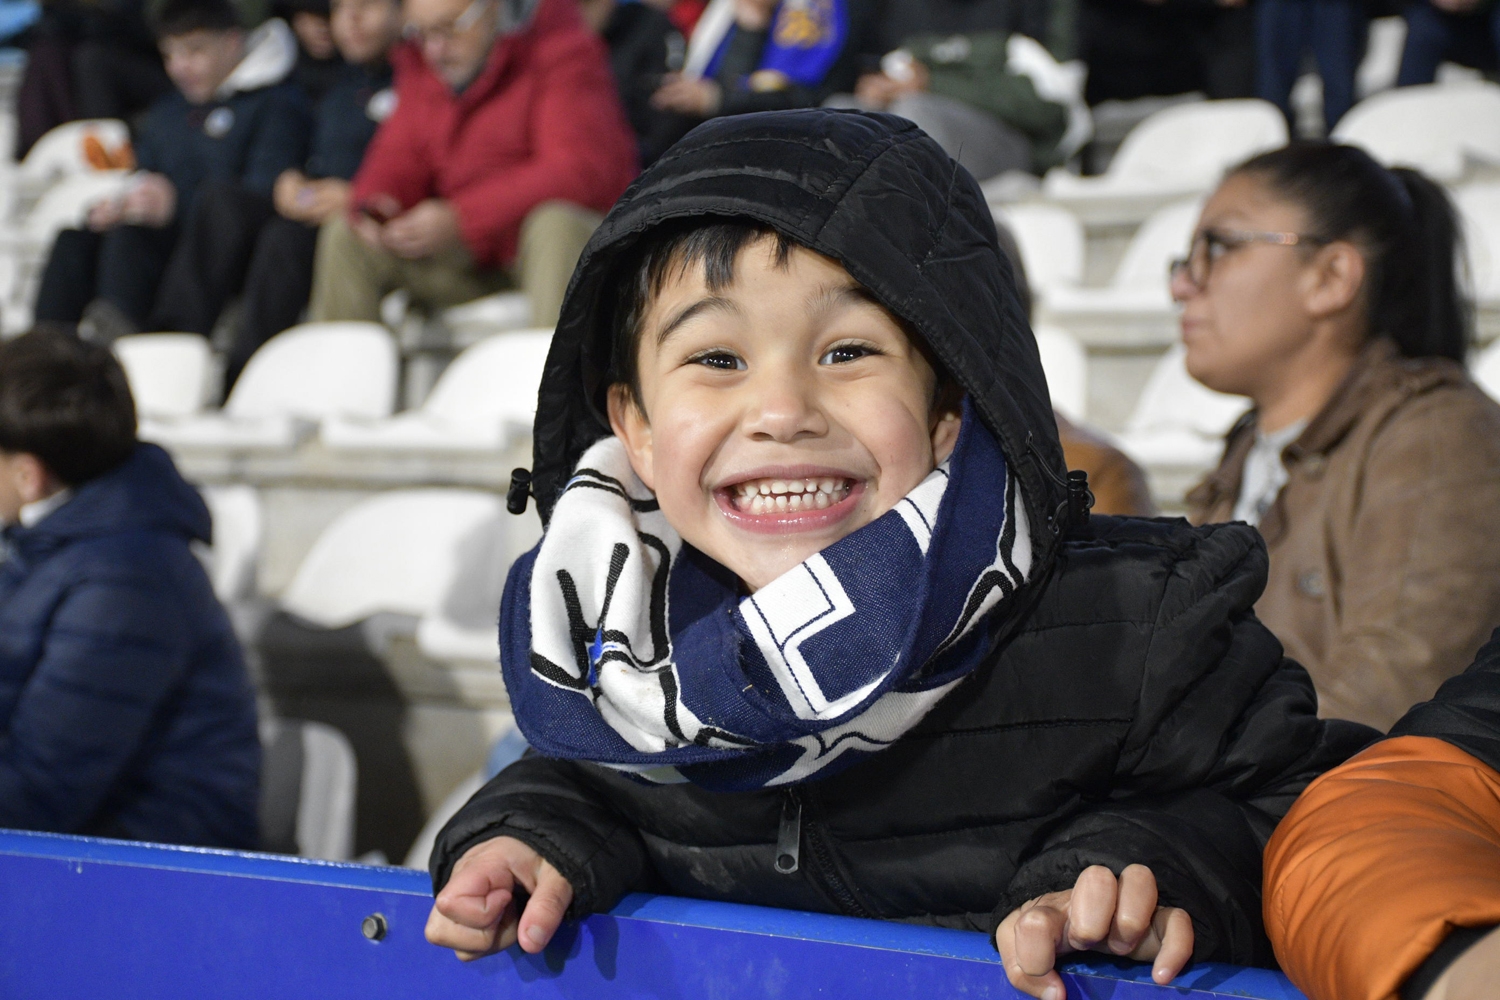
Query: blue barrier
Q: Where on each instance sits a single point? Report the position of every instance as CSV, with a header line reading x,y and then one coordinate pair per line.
x,y
95,918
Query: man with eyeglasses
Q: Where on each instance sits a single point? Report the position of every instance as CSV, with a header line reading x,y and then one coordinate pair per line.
x,y
506,144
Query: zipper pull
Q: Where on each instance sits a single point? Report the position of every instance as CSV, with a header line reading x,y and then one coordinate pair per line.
x,y
789,839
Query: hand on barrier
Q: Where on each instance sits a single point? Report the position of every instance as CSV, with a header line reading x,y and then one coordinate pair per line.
x,y
476,912
1100,913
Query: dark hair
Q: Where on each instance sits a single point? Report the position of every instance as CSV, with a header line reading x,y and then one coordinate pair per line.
x,y
667,252
179,17
67,403
1404,225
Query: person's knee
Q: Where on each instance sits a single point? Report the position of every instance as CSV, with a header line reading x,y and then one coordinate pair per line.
x,y
559,218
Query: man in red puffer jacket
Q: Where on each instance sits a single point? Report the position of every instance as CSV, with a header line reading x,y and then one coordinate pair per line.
x,y
506,145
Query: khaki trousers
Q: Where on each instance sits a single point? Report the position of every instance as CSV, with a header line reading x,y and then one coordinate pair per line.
x,y
351,277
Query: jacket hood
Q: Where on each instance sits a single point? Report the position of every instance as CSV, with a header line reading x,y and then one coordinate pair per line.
x,y
146,492
270,54
877,194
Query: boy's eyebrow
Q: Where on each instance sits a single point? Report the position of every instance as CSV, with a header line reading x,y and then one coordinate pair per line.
x,y
830,297
701,306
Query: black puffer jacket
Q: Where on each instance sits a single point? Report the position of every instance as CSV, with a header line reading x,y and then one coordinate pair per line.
x,y
1134,711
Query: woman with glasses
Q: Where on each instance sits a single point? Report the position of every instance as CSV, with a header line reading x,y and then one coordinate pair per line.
x,y
1325,288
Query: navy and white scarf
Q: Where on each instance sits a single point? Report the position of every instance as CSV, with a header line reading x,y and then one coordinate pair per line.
x,y
622,646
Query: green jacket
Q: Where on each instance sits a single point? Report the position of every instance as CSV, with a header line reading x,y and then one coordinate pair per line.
x,y
972,68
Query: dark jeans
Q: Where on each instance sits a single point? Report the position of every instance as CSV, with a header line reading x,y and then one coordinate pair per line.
x,y
123,266
1433,36
1335,32
235,242
1136,49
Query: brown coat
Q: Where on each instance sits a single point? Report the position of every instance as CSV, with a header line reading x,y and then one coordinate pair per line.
x,y
1385,541
1118,484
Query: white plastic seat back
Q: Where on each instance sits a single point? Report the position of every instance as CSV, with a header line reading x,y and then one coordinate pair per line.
x,y
66,204
1191,145
1174,400
1162,238
397,552
326,784
60,152
1066,365
1485,368
1479,207
495,380
318,370
239,530
1051,242
169,373
1436,128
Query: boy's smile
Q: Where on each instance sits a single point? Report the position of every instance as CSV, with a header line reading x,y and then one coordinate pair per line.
x,y
778,413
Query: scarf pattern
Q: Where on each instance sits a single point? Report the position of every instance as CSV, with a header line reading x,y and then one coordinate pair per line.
x,y
623,646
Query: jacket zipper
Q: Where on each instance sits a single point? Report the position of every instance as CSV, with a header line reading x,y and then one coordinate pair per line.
x,y
788,843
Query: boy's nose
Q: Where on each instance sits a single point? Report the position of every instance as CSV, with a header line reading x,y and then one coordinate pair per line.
x,y
784,408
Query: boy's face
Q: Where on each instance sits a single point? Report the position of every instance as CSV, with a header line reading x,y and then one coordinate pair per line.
x,y
23,480
365,29
779,414
198,61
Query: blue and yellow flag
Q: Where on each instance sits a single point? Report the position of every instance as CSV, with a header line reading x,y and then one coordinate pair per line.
x,y
806,37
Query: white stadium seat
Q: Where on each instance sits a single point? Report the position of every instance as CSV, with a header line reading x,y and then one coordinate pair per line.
x,y
484,397
1479,207
1437,128
1485,368
1051,242
398,552
473,321
1179,421
1066,365
297,379
1139,284
170,374
239,529
1179,151
314,767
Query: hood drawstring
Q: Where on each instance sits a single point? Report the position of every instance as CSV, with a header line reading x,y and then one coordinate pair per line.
x,y
1073,512
519,492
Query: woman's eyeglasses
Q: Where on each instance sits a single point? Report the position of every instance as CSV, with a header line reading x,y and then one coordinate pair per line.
x,y
1211,244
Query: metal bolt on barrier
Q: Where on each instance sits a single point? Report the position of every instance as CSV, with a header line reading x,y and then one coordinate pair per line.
x,y
374,927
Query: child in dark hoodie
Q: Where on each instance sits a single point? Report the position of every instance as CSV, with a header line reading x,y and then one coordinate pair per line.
x,y
232,117
125,707
817,620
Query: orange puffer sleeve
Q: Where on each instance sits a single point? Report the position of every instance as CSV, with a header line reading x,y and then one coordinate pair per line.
x,y
1377,861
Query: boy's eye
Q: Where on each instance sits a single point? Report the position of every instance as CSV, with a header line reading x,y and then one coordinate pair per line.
x,y
844,353
721,360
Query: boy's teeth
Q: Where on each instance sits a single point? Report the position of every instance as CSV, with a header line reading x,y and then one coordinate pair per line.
x,y
769,496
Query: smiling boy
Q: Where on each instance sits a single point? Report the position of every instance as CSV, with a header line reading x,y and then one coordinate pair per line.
x,y
813,624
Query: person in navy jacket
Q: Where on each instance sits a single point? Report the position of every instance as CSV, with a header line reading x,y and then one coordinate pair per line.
x,y
232,116
125,706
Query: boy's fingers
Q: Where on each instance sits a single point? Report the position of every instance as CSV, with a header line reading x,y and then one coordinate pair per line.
x,y
468,941
1135,911
1091,910
1175,929
544,911
476,910
1039,938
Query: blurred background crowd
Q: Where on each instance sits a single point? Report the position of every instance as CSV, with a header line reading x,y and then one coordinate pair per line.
x,y
326,241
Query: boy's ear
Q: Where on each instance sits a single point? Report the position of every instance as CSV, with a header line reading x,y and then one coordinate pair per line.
x,y
628,421
947,418
945,425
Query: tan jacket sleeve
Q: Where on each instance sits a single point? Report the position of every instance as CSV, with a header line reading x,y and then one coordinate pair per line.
x,y
1419,590
1377,861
